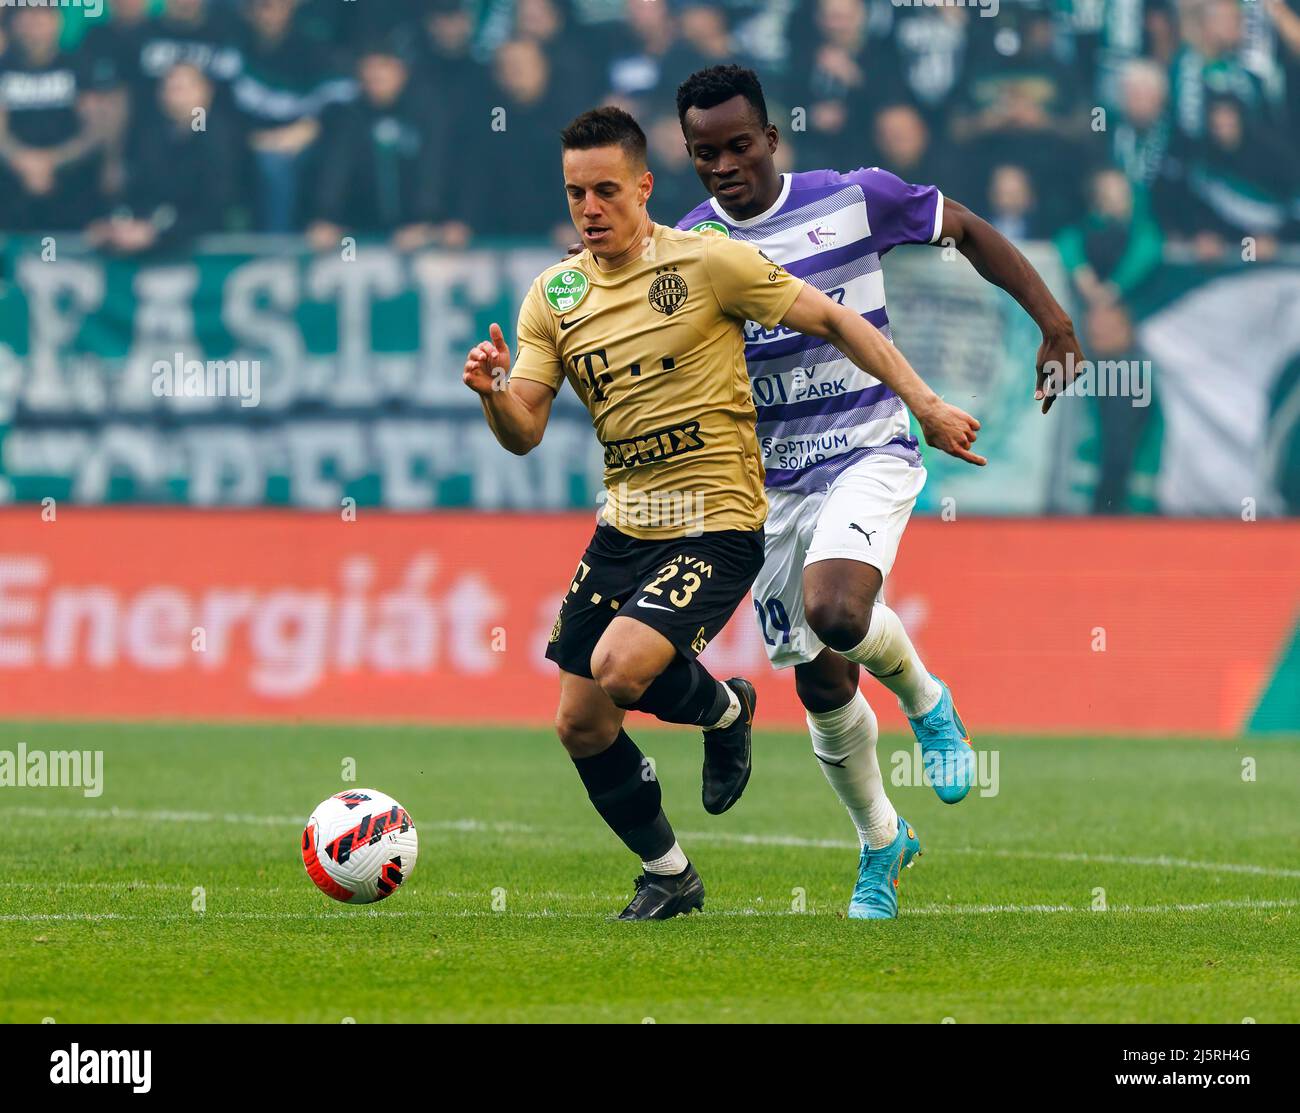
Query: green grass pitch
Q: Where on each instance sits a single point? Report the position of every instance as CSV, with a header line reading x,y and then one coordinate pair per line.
x,y
1200,870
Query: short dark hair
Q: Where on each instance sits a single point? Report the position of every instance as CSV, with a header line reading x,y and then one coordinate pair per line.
x,y
388,44
717,85
605,127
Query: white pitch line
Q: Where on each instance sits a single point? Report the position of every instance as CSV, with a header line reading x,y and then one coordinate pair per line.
x,y
136,886
545,914
767,840
157,816
218,889
406,913
1139,909
242,820
1160,861
995,852
475,826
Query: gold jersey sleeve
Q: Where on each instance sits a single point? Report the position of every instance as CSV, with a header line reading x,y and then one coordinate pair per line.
x,y
536,357
655,350
747,283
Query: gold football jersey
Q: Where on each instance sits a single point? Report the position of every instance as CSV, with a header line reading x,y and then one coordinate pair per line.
x,y
655,351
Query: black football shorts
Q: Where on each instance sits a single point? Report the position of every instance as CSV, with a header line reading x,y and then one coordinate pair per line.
x,y
686,588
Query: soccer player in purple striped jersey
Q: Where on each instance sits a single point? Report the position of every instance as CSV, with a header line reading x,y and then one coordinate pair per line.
x,y
843,470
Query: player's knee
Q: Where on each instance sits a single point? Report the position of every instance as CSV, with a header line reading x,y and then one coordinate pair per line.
x,y
619,678
580,737
839,621
821,694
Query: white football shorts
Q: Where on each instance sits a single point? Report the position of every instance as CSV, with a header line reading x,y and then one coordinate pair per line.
x,y
861,516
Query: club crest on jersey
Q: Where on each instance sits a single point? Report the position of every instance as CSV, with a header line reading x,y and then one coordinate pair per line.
x,y
712,226
566,289
668,291
821,236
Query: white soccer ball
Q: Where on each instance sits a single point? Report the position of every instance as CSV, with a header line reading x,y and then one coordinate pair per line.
x,y
359,846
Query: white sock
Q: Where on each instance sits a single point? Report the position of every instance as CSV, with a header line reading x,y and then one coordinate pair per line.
x,y
844,741
671,863
733,710
888,654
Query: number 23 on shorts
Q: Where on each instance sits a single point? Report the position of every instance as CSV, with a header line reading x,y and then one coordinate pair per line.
x,y
679,594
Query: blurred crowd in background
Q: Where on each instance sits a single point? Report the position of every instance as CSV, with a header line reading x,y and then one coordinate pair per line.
x,y
1131,134
1115,126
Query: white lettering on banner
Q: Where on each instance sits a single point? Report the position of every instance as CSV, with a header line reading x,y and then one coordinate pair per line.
x,y
259,302
257,307
451,287
354,287
290,638
164,328
295,636
385,427
59,298
18,609
226,465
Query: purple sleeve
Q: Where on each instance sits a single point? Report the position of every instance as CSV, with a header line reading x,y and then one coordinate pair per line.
x,y
898,212
696,216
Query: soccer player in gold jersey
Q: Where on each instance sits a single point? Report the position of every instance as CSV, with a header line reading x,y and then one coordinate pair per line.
x,y
646,325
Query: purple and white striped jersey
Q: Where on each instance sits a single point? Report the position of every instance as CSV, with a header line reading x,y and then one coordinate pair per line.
x,y
817,412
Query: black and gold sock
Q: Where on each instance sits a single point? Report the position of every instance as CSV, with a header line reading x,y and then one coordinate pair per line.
x,y
685,692
621,784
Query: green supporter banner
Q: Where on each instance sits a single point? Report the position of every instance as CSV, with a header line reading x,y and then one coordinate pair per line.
x,y
246,376
254,374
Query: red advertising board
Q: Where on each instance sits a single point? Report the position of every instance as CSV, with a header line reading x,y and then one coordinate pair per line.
x,y
1087,625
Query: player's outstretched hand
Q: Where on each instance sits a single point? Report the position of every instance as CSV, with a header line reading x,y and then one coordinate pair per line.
x,y
487,367
953,430
1060,362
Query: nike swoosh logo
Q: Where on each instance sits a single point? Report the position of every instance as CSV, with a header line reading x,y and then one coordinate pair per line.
x,y
749,711
827,761
655,606
886,675
569,324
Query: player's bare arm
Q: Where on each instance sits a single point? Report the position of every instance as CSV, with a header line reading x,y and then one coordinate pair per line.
x,y
516,412
945,426
999,261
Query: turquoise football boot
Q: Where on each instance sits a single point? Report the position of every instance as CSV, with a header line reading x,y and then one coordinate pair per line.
x,y
875,896
945,749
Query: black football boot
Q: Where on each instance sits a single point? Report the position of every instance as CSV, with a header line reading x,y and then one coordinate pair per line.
x,y
661,897
727,762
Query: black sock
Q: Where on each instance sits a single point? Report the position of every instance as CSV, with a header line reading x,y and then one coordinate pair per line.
x,y
684,692
622,786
